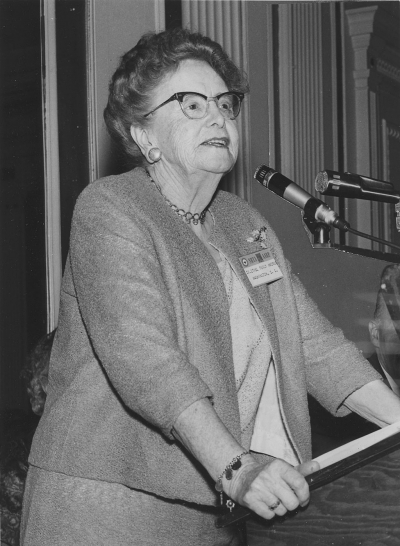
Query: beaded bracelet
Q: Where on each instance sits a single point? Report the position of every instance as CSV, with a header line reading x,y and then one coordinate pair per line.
x,y
235,464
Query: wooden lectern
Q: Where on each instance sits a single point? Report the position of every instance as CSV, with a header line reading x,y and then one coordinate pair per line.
x,y
360,508
355,499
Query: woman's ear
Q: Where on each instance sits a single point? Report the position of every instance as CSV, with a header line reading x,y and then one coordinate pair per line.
x,y
141,137
374,333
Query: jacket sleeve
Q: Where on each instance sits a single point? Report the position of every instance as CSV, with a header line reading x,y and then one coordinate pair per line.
x,y
128,312
334,366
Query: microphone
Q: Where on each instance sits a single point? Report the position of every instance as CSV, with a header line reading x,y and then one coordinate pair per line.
x,y
356,186
313,208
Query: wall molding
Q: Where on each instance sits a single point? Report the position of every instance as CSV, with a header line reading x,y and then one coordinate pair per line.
x,y
371,33
365,28
93,126
51,162
393,132
388,70
286,90
303,121
363,215
159,15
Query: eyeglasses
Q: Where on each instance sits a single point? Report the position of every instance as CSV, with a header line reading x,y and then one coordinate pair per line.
x,y
195,105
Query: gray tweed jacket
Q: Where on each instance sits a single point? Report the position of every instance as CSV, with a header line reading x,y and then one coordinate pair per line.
x,y
144,332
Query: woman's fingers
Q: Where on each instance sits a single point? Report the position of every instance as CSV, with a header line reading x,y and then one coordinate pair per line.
x,y
295,488
269,511
275,489
308,468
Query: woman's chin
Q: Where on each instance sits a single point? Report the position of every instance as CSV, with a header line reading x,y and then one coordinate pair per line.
x,y
219,163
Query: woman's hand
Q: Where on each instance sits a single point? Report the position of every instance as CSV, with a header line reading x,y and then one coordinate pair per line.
x,y
271,489
253,485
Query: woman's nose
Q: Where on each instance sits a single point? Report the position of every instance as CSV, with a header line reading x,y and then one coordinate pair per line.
x,y
214,113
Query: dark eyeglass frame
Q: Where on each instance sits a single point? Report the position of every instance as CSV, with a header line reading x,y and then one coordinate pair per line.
x,y
179,97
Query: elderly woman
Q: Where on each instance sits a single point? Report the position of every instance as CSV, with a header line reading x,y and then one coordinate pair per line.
x,y
175,382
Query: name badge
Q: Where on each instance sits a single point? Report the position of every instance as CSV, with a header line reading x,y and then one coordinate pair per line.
x,y
261,268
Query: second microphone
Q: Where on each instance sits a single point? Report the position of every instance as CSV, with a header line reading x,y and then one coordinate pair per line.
x,y
291,192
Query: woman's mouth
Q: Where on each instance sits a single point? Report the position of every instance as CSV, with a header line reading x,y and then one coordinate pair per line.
x,y
218,142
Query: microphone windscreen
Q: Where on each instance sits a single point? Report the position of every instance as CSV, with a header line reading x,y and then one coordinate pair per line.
x,y
262,172
321,181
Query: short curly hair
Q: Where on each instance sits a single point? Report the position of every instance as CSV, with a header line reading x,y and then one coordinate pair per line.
x,y
144,67
36,370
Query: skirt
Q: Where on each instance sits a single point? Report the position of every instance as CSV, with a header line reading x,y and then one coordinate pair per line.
x,y
61,510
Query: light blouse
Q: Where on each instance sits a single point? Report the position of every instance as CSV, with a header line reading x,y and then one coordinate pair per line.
x,y
261,417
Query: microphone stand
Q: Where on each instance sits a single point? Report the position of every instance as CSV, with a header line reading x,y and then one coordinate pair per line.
x,y
318,233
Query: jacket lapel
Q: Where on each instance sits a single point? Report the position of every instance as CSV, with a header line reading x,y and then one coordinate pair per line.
x,y
233,249
275,306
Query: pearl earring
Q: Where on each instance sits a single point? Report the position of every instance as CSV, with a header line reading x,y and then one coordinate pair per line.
x,y
154,155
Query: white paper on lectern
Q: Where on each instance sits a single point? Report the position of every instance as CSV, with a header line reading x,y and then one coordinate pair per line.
x,y
355,446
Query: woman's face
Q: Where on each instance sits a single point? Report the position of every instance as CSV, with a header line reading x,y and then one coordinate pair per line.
x,y
192,145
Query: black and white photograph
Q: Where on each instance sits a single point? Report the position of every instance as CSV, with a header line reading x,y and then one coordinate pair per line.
x,y
200,273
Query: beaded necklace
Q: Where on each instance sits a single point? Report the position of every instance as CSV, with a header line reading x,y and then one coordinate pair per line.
x,y
185,216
